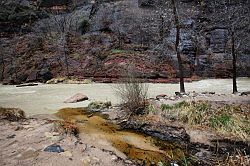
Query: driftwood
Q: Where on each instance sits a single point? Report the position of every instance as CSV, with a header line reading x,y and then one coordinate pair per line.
x,y
24,85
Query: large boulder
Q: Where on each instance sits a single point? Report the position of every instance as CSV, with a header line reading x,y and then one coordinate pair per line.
x,y
76,98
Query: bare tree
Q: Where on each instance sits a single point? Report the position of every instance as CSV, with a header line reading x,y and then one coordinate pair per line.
x,y
177,43
61,25
234,16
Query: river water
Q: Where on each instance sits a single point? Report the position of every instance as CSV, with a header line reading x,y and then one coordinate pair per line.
x,y
48,98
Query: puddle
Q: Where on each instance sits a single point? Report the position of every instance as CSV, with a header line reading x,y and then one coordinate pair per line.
x,y
138,147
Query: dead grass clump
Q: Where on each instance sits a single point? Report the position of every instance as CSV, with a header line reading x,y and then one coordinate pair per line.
x,y
65,127
12,114
237,159
132,92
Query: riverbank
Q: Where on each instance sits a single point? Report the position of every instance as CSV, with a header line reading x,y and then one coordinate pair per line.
x,y
103,138
48,98
41,140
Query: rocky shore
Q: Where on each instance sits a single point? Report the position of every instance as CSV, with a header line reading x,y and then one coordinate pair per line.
x,y
39,140
50,140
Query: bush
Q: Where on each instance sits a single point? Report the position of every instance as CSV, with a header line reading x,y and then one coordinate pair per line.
x,y
12,114
132,92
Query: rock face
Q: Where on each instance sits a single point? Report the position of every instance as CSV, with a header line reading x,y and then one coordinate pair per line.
x,y
164,132
109,35
76,98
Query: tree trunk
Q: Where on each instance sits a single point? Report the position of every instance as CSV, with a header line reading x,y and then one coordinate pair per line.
x,y
3,67
177,42
234,63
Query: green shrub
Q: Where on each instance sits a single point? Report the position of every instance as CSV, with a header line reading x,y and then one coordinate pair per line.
x,y
181,104
165,107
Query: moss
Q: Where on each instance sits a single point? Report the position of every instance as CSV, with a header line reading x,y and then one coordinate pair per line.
x,y
99,105
118,51
11,114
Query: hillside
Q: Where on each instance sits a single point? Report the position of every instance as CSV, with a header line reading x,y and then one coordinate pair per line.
x,y
43,39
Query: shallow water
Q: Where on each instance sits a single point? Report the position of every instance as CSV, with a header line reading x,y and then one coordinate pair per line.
x,y
47,98
96,129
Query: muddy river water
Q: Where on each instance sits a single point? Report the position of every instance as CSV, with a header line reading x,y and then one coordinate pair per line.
x,y
95,128
47,98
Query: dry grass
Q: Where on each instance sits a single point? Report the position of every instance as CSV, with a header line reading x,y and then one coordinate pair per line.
x,y
65,127
226,119
132,92
11,114
236,159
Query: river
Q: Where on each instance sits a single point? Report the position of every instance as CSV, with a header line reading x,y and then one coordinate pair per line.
x,y
48,98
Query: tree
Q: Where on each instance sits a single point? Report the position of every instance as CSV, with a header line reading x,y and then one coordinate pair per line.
x,y
177,43
233,16
61,25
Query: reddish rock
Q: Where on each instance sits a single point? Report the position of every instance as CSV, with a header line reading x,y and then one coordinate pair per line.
x,y
76,98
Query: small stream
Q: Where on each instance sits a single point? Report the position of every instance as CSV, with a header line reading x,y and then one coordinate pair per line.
x,y
143,149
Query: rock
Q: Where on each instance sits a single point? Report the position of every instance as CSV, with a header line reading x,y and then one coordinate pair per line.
x,y
44,75
66,154
32,77
76,98
88,160
218,40
11,136
53,136
161,96
114,158
56,80
177,93
172,98
54,148
245,93
174,164
128,162
28,153
161,131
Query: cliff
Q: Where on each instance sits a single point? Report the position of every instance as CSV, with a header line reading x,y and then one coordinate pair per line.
x,y
82,38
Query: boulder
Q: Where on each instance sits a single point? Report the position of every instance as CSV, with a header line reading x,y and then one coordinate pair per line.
x,y
76,98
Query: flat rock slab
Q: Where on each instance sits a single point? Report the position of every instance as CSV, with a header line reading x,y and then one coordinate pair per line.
x,y
76,98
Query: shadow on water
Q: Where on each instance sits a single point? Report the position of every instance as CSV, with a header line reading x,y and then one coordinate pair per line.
x,y
139,147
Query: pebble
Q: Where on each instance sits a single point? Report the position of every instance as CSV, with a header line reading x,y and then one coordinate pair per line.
x,y
66,154
28,153
11,136
90,160
114,158
128,162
